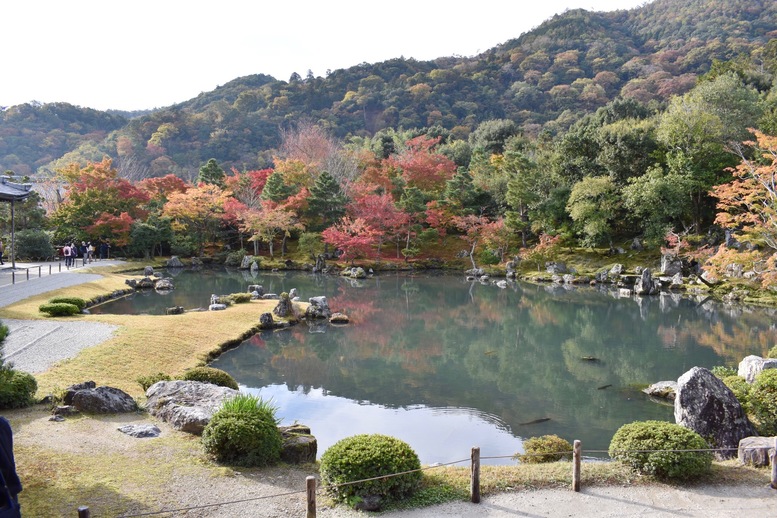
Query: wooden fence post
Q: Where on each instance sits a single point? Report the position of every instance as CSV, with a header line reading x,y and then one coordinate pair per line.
x,y
773,456
576,454
310,486
83,512
474,482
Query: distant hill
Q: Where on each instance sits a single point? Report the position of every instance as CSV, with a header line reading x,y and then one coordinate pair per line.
x,y
545,79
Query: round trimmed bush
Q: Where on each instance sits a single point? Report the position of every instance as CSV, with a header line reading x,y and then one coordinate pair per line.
x,y
772,352
763,402
366,456
547,448
17,388
244,432
210,375
635,443
239,298
76,301
59,309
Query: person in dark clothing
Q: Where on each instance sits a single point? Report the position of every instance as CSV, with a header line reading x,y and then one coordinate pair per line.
x,y
7,462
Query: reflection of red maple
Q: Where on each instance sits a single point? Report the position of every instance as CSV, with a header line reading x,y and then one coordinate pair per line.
x,y
257,341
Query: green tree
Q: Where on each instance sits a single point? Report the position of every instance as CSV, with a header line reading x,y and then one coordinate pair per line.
x,y
326,203
657,201
593,205
212,173
276,189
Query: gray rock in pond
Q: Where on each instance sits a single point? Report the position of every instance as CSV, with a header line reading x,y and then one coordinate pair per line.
x,y
256,288
645,284
266,321
616,270
245,263
148,271
186,405
556,267
755,451
164,285
707,406
140,431
293,293
217,307
751,366
103,400
662,389
670,265
339,318
283,309
318,308
175,310
174,262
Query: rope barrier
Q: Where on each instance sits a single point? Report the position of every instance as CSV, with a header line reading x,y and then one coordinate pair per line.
x,y
204,506
426,468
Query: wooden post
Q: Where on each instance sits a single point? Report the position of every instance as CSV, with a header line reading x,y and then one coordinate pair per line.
x,y
310,486
773,456
13,277
576,454
28,274
83,512
474,482
39,271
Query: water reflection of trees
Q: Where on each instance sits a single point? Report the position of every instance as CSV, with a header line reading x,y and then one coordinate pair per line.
x,y
515,353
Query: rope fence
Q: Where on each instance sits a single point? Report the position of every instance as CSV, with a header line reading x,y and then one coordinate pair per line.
x,y
312,487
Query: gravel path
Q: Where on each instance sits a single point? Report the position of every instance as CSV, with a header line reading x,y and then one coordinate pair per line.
x,y
35,345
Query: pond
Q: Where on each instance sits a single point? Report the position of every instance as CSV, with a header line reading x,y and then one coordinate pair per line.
x,y
446,364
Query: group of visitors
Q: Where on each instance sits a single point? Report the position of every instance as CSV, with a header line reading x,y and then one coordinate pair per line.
x,y
85,250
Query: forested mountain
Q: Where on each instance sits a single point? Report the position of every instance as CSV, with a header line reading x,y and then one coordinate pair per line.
x,y
546,79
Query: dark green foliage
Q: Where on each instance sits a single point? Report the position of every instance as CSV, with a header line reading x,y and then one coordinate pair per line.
x,y
327,201
244,432
235,258
76,301
366,456
547,448
17,389
763,402
210,375
183,245
631,443
147,381
33,244
59,309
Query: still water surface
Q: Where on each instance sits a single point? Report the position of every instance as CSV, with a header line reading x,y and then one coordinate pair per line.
x,y
445,364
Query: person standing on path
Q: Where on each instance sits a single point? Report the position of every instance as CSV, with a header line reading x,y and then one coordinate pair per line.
x,y
67,253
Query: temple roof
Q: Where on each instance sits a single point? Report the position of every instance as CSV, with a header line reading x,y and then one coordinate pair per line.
x,y
10,191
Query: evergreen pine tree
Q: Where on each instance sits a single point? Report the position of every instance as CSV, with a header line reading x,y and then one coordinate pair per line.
x,y
327,201
211,173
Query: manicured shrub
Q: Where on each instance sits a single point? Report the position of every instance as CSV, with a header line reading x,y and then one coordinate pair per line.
x,y
147,381
763,402
17,389
59,309
210,375
239,298
34,244
244,431
635,444
772,352
235,258
547,448
741,389
366,456
76,301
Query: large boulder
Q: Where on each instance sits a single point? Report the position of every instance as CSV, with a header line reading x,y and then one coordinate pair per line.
x,y
245,264
164,285
186,405
86,397
707,406
670,265
753,365
299,446
284,308
318,308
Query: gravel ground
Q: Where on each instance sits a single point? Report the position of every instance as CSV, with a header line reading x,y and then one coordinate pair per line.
x,y
35,345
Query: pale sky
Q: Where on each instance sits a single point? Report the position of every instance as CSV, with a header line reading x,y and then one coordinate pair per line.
x,y
140,54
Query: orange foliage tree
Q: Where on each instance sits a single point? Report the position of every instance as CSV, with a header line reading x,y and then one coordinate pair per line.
x,y
198,211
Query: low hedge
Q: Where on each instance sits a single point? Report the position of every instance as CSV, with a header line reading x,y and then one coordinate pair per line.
x,y
59,309
17,388
211,375
76,301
